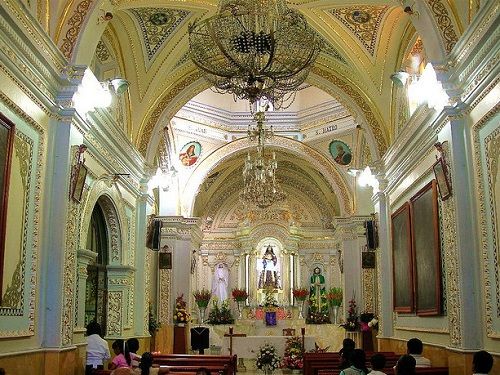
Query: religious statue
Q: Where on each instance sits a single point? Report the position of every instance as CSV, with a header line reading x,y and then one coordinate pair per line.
x,y
317,292
220,282
269,273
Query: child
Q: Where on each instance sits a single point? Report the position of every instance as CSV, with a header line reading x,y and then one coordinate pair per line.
x,y
378,364
133,347
122,358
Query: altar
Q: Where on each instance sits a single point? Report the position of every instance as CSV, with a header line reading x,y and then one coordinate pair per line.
x,y
324,335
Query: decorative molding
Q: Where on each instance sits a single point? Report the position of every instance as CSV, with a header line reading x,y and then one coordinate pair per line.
x,y
115,316
444,24
489,243
75,23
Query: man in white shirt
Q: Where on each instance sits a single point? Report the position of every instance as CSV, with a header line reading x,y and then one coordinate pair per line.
x,y
415,348
97,348
482,362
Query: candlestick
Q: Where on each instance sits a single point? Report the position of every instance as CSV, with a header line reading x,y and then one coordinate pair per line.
x,y
230,330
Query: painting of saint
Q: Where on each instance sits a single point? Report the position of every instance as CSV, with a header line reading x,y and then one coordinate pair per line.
x,y
190,153
340,152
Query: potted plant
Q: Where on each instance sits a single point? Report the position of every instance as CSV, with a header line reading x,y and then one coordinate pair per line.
x,y
267,359
334,298
181,316
293,358
202,298
220,315
239,296
300,294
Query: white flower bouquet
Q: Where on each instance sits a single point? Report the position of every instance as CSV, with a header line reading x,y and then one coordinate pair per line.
x,y
267,358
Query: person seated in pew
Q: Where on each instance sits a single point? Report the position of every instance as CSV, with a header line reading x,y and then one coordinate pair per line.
x,y
133,347
145,366
348,346
406,365
122,355
203,371
378,364
97,348
415,348
357,362
482,362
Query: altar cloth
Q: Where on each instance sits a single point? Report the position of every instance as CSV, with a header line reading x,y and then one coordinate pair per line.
x,y
248,347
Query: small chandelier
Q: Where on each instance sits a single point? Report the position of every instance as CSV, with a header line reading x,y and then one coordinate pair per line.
x,y
254,49
259,174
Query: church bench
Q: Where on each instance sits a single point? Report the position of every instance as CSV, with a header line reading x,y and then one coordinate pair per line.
x,y
196,360
181,370
330,361
390,371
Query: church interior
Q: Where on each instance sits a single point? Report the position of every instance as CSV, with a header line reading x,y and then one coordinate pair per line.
x,y
151,184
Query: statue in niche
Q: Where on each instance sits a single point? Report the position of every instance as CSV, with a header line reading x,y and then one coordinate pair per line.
x,y
269,276
317,292
220,282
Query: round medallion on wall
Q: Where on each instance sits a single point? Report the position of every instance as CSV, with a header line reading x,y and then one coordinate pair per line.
x,y
158,18
360,16
340,152
190,153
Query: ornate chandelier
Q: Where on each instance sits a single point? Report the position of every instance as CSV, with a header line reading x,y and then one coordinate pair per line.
x,y
254,49
259,174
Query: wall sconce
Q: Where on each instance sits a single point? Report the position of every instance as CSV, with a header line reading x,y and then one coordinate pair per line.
x,y
400,78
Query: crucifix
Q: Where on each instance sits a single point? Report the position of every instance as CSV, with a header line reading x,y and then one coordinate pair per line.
x,y
231,335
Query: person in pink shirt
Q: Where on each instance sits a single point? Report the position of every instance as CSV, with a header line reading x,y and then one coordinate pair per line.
x,y
122,358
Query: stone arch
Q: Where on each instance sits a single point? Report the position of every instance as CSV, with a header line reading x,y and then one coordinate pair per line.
x,y
268,230
101,193
322,164
172,101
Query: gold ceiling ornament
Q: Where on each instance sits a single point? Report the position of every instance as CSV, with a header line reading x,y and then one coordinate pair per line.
x,y
261,188
255,49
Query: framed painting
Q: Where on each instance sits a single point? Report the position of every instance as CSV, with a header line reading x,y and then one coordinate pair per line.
x,y
368,259
190,153
165,261
426,250
79,181
403,292
442,179
7,130
340,152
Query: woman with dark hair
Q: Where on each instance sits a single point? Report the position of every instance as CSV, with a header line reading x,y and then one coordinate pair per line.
x,y
358,364
97,348
348,346
145,365
122,358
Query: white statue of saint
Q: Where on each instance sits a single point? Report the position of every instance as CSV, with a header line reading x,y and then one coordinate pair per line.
x,y
220,282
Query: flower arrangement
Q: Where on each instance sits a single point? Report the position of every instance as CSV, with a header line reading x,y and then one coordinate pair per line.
x,y
334,296
293,358
351,323
239,295
220,315
181,316
300,294
368,321
317,314
202,297
270,303
267,358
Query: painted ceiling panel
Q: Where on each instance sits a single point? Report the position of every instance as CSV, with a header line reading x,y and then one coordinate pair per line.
x,y
157,25
364,22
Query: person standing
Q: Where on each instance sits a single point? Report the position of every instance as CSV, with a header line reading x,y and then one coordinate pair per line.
x,y
97,348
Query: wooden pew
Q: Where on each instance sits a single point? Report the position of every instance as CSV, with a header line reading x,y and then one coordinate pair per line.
x,y
177,360
320,363
180,370
390,371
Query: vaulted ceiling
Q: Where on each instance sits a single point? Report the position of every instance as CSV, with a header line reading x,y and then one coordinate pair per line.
x,y
146,42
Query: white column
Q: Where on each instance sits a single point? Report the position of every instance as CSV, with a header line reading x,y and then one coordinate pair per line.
x,y
384,262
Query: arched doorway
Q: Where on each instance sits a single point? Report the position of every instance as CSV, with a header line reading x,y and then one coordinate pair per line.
x,y
96,285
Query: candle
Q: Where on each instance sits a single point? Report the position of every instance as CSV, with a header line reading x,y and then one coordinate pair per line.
x,y
230,330
303,331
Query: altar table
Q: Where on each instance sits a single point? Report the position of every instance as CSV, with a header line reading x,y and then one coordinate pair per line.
x,y
248,347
